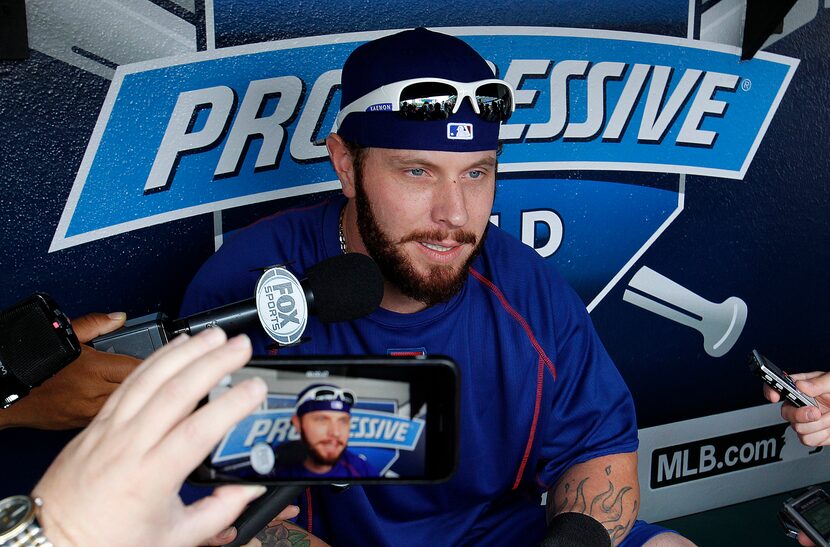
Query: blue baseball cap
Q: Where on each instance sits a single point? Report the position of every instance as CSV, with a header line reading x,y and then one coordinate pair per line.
x,y
418,53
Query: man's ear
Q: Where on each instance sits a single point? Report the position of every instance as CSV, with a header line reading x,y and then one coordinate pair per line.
x,y
343,163
295,421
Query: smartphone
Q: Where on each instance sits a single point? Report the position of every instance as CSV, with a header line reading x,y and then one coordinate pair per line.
x,y
778,380
342,419
810,511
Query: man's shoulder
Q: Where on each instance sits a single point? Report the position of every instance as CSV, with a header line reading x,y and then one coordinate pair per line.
x,y
358,463
351,457
518,277
292,236
283,226
504,256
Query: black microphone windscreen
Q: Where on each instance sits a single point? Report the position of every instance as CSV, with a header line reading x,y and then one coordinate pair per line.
x,y
291,453
345,287
575,530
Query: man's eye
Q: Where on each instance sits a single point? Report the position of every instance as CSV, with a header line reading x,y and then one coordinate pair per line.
x,y
416,172
476,174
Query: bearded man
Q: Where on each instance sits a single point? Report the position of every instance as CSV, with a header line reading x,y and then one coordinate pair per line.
x,y
544,411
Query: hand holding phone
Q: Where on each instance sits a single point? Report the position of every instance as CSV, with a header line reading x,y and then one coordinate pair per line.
x,y
779,380
809,416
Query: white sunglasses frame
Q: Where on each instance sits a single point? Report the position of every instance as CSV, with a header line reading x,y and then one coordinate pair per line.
x,y
391,94
339,394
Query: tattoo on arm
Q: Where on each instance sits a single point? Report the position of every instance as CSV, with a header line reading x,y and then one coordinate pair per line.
x,y
609,507
283,536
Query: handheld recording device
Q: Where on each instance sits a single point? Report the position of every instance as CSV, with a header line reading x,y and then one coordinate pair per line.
x,y
810,512
342,420
339,288
778,380
36,341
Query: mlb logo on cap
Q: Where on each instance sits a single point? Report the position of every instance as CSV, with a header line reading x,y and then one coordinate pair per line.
x,y
460,131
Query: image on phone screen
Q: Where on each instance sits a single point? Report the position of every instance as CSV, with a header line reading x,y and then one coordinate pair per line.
x,y
340,421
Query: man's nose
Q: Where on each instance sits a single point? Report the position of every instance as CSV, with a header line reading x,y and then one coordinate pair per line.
x,y
449,206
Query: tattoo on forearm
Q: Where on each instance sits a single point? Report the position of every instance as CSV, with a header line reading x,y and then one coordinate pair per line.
x,y
608,507
283,536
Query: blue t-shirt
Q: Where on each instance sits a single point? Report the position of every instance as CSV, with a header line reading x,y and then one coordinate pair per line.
x,y
348,466
538,391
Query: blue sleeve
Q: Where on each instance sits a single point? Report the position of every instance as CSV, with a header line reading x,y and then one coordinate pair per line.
x,y
592,413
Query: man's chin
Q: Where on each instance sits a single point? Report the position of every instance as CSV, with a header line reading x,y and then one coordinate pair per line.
x,y
440,274
326,458
437,284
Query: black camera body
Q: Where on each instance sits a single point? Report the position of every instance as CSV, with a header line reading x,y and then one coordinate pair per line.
x,y
36,341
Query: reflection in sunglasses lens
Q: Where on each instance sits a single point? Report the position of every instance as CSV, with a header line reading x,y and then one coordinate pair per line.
x,y
428,101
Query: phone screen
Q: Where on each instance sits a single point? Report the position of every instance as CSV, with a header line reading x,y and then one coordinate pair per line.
x,y
362,420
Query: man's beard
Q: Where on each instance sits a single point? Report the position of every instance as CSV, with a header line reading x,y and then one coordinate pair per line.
x,y
439,284
317,457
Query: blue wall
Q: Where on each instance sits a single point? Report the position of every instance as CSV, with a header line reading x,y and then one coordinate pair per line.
x,y
761,236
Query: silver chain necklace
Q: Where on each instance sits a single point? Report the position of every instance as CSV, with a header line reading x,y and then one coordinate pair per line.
x,y
342,236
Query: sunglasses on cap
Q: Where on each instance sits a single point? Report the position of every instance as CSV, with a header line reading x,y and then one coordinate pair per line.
x,y
327,393
429,99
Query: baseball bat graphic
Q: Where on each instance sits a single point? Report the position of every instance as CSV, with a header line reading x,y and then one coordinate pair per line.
x,y
719,323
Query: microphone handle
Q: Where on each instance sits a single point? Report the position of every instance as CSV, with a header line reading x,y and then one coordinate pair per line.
x,y
262,511
233,318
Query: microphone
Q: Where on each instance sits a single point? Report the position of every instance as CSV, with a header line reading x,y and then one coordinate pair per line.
x,y
340,288
575,530
261,511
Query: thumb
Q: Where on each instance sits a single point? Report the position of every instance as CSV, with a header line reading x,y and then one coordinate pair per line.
x,y
803,539
91,325
289,512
